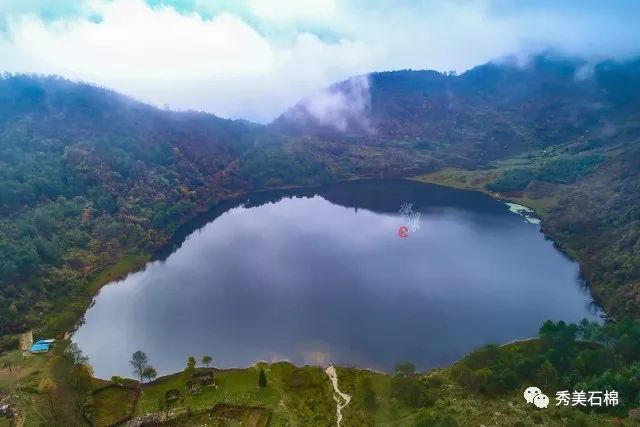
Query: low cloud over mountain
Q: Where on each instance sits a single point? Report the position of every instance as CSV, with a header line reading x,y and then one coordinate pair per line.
x,y
253,59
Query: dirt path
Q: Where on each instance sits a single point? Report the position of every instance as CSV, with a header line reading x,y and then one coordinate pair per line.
x,y
342,399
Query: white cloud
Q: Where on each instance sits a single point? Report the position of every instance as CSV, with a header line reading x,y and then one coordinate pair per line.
x,y
294,10
156,54
339,107
261,56
136,42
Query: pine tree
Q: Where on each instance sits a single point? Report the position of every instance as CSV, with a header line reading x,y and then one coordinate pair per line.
x,y
262,379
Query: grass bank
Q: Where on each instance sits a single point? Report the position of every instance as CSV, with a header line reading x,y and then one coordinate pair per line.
x,y
66,319
297,396
476,180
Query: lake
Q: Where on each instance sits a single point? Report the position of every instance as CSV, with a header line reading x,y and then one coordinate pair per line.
x,y
323,276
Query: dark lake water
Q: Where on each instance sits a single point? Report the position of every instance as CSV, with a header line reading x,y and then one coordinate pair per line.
x,y
317,276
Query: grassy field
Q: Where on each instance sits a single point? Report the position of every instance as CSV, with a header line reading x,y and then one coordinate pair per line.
x,y
460,178
299,395
295,396
232,387
78,303
19,379
113,404
129,263
228,416
478,180
532,179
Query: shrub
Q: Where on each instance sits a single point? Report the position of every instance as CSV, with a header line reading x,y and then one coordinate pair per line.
x,y
512,180
569,169
262,379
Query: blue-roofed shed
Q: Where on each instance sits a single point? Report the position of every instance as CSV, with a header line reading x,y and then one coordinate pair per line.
x,y
41,346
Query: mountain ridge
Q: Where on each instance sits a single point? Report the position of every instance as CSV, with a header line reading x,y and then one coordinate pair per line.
x,y
531,104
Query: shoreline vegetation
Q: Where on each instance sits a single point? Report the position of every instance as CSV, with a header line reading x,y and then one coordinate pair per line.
x,y
134,261
485,387
131,262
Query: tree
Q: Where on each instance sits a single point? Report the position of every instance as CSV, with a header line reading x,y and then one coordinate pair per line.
x,y
405,369
547,376
589,330
627,339
595,362
431,418
74,354
483,379
191,367
191,362
206,360
48,386
368,394
149,372
406,387
139,361
262,379
559,338
79,378
558,334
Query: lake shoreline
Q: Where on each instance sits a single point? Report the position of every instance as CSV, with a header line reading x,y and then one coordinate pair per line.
x,y
428,196
134,261
432,178
123,268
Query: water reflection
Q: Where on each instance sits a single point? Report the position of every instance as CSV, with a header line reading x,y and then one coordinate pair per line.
x,y
321,275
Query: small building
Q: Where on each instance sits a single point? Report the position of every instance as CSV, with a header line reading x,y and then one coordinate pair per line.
x,y
202,378
42,346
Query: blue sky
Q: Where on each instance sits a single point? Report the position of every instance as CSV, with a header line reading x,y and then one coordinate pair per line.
x,y
254,58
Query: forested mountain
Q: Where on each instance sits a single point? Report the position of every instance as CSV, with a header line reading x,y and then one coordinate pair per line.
x,y
86,173
490,112
88,176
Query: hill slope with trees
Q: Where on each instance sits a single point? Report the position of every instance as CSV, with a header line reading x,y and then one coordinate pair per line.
x,y
89,177
87,174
